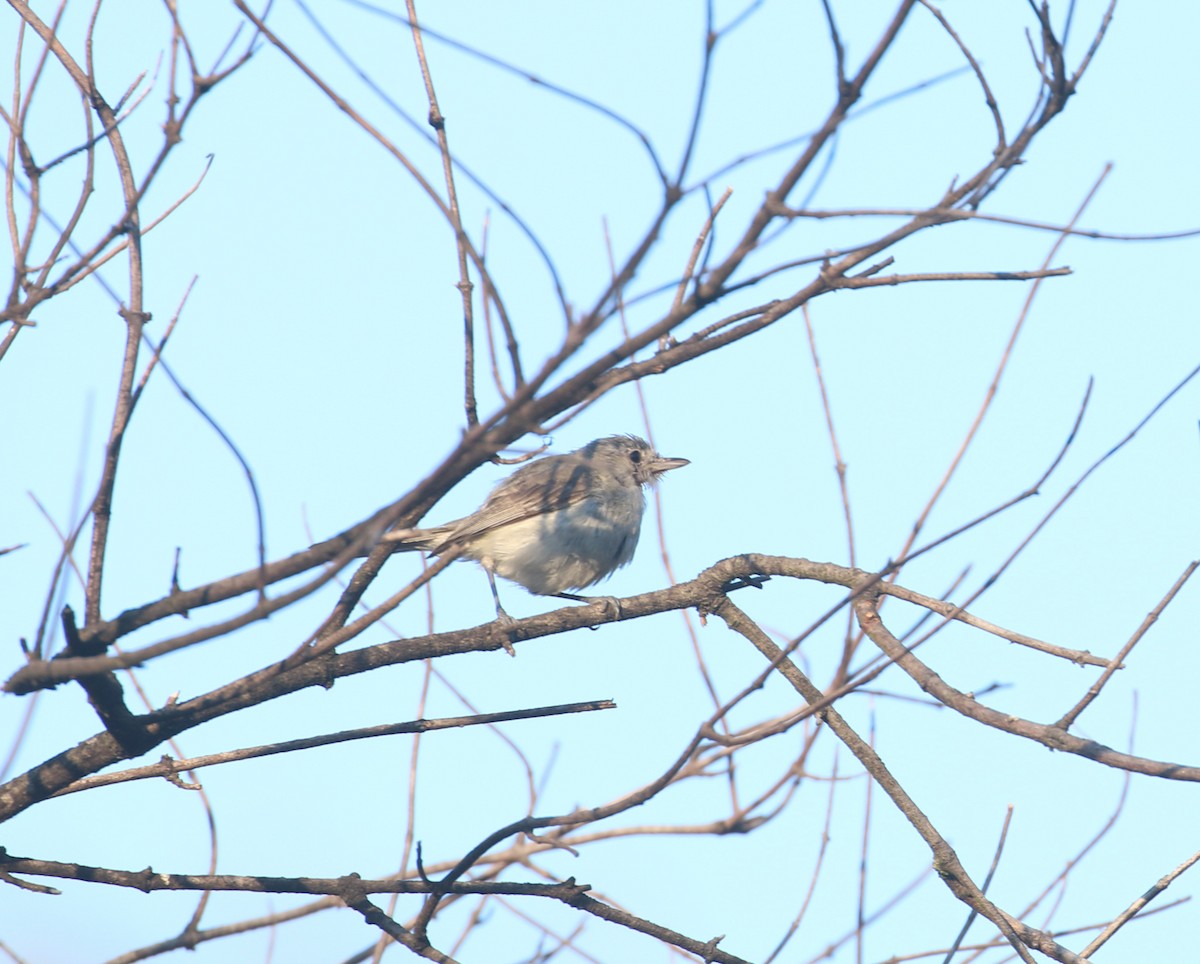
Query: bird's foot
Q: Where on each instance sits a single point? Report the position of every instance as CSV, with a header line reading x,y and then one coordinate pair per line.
x,y
505,622
612,605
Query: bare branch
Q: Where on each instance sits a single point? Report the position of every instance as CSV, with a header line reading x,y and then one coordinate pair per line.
x,y
168,768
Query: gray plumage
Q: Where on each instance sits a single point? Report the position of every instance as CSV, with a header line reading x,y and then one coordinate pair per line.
x,y
561,522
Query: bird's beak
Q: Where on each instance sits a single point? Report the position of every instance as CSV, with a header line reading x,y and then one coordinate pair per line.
x,y
663,464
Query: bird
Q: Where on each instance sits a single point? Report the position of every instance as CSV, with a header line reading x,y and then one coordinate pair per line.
x,y
560,523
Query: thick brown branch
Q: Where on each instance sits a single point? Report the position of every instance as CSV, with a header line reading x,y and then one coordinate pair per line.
x,y
704,592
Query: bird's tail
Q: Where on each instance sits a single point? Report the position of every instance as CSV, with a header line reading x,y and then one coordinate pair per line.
x,y
414,540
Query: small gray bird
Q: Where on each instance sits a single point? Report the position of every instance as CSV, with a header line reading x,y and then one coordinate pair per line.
x,y
561,522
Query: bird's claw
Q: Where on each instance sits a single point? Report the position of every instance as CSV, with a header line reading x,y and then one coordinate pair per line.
x,y
505,622
611,605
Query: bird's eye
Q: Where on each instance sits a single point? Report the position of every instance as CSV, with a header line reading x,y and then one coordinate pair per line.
x,y
635,456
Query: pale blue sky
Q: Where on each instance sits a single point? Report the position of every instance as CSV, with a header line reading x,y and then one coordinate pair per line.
x,y
324,334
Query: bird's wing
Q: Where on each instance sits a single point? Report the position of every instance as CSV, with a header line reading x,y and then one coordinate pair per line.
x,y
540,487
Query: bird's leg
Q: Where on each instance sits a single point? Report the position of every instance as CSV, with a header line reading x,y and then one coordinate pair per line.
x,y
501,616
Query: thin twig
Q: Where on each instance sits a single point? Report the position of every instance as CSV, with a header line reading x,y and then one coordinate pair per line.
x,y
465,287
167,767
1128,914
1069,718
956,944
